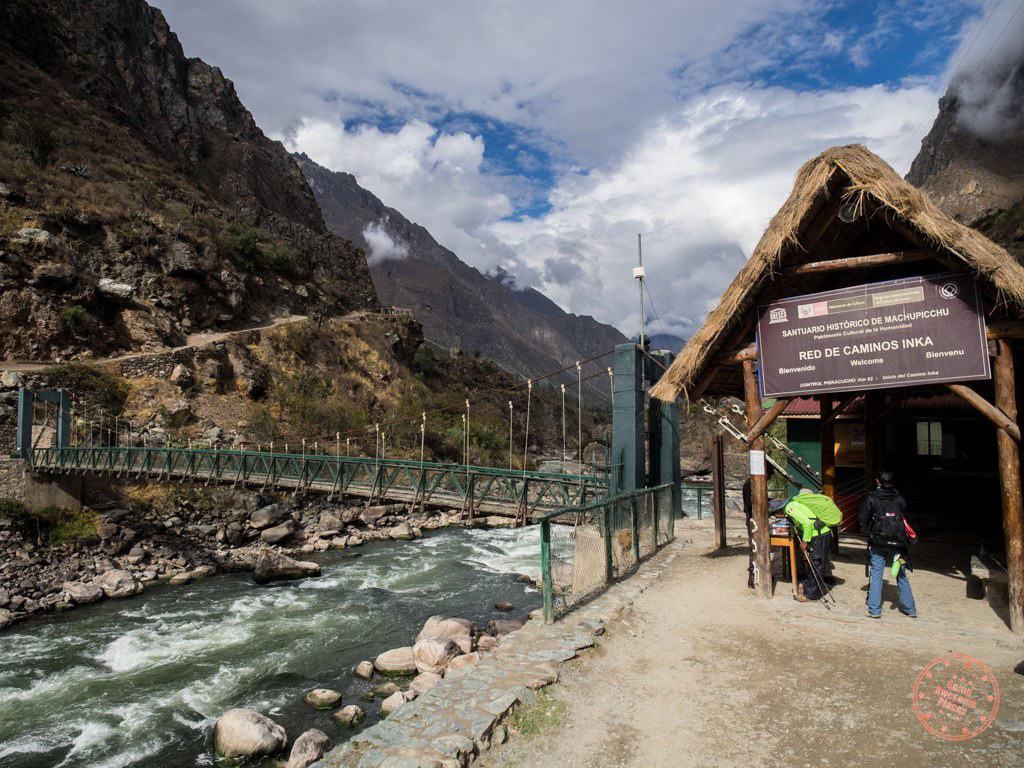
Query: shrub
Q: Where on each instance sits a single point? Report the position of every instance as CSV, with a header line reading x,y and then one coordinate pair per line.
x,y
73,317
12,510
62,526
241,245
94,386
285,259
41,138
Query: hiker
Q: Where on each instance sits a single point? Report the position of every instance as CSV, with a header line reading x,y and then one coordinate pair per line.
x,y
814,516
883,518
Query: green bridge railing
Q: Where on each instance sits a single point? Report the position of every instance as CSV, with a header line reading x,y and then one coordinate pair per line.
x,y
585,549
473,488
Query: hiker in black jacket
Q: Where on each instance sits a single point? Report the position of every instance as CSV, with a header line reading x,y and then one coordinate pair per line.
x,y
882,518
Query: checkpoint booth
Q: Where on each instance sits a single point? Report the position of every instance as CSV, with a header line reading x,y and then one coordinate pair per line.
x,y
862,305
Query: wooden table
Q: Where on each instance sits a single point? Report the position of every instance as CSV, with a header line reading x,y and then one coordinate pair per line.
x,y
790,543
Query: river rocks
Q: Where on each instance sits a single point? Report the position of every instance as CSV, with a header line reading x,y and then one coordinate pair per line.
x,y
6,617
82,593
266,516
486,643
434,655
505,607
277,533
507,626
247,734
424,681
397,661
329,524
322,698
118,583
395,700
272,566
459,631
349,716
383,690
402,532
308,748
364,669
463,661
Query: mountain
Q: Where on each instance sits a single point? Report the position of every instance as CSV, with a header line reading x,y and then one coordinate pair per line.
x,y
139,200
458,305
971,163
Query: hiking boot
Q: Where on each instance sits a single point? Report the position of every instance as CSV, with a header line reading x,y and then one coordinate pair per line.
x,y
873,615
911,614
800,597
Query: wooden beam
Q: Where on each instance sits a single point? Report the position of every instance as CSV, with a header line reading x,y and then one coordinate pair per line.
x,y
864,262
828,448
1009,481
767,419
758,487
837,410
1013,329
748,352
991,412
871,410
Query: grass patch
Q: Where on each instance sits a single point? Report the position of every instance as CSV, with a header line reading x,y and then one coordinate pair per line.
x,y
73,317
548,712
12,510
63,526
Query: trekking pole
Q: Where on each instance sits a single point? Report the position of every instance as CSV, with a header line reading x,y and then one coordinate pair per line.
x,y
825,593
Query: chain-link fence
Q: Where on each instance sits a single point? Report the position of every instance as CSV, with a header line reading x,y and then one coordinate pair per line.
x,y
584,549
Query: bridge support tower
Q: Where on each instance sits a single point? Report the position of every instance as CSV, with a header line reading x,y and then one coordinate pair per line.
x,y
43,490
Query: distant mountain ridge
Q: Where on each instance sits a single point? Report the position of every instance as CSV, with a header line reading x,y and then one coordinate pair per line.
x,y
458,305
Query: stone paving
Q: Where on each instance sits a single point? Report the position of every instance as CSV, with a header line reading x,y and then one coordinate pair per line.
x,y
462,716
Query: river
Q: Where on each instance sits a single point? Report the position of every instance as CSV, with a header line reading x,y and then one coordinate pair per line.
x,y
140,681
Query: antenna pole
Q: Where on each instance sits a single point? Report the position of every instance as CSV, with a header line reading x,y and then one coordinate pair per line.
x,y
638,274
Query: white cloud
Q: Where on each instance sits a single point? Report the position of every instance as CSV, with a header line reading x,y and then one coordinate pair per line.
x,y
382,245
701,186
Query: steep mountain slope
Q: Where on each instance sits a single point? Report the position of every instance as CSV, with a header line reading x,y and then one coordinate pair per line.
x,y
523,330
971,163
139,200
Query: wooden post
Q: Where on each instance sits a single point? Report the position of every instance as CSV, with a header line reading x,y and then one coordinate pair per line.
x,y
758,486
718,479
1009,480
606,521
871,410
828,448
545,570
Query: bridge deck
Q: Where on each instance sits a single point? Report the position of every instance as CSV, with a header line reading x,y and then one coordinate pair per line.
x,y
486,490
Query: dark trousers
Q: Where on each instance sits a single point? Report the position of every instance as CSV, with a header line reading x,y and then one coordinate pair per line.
x,y
817,552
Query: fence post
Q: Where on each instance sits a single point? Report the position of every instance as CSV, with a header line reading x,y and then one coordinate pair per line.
x,y
545,570
609,566
636,527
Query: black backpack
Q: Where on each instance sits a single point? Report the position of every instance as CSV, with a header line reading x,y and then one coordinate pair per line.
x,y
888,526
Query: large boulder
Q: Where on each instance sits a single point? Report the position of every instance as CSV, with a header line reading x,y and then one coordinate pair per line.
x,y
329,524
504,627
402,532
6,617
392,703
463,661
364,669
82,593
266,516
118,583
273,566
277,533
424,681
308,748
459,631
434,655
243,733
349,716
322,698
397,661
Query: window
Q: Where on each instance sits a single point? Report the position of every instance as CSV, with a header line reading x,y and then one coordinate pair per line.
x,y
929,438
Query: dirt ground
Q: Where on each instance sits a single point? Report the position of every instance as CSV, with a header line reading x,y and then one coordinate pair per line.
x,y
701,673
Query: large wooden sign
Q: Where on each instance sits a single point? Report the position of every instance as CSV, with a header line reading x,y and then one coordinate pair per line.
x,y
900,333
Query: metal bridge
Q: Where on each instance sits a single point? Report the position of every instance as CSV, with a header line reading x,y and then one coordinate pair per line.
x,y
476,490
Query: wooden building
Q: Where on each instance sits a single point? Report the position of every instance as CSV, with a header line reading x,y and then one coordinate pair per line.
x,y
850,221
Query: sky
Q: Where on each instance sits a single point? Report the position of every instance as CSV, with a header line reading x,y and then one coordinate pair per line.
x,y
539,138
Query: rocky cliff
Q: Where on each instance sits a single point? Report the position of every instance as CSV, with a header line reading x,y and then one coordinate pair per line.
x,y
458,305
971,163
139,200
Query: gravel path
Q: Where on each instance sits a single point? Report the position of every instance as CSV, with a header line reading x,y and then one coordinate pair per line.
x,y
702,674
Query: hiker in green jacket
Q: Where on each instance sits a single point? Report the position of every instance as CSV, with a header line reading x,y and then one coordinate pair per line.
x,y
814,517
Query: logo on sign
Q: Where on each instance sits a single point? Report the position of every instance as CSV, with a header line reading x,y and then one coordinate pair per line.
x,y
817,309
777,315
949,290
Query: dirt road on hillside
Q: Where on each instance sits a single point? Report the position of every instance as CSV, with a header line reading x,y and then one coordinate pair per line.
x,y
703,674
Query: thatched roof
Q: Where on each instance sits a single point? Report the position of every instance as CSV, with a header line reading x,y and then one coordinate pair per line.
x,y
806,228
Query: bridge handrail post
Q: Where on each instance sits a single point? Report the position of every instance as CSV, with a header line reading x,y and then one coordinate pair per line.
x,y
545,570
